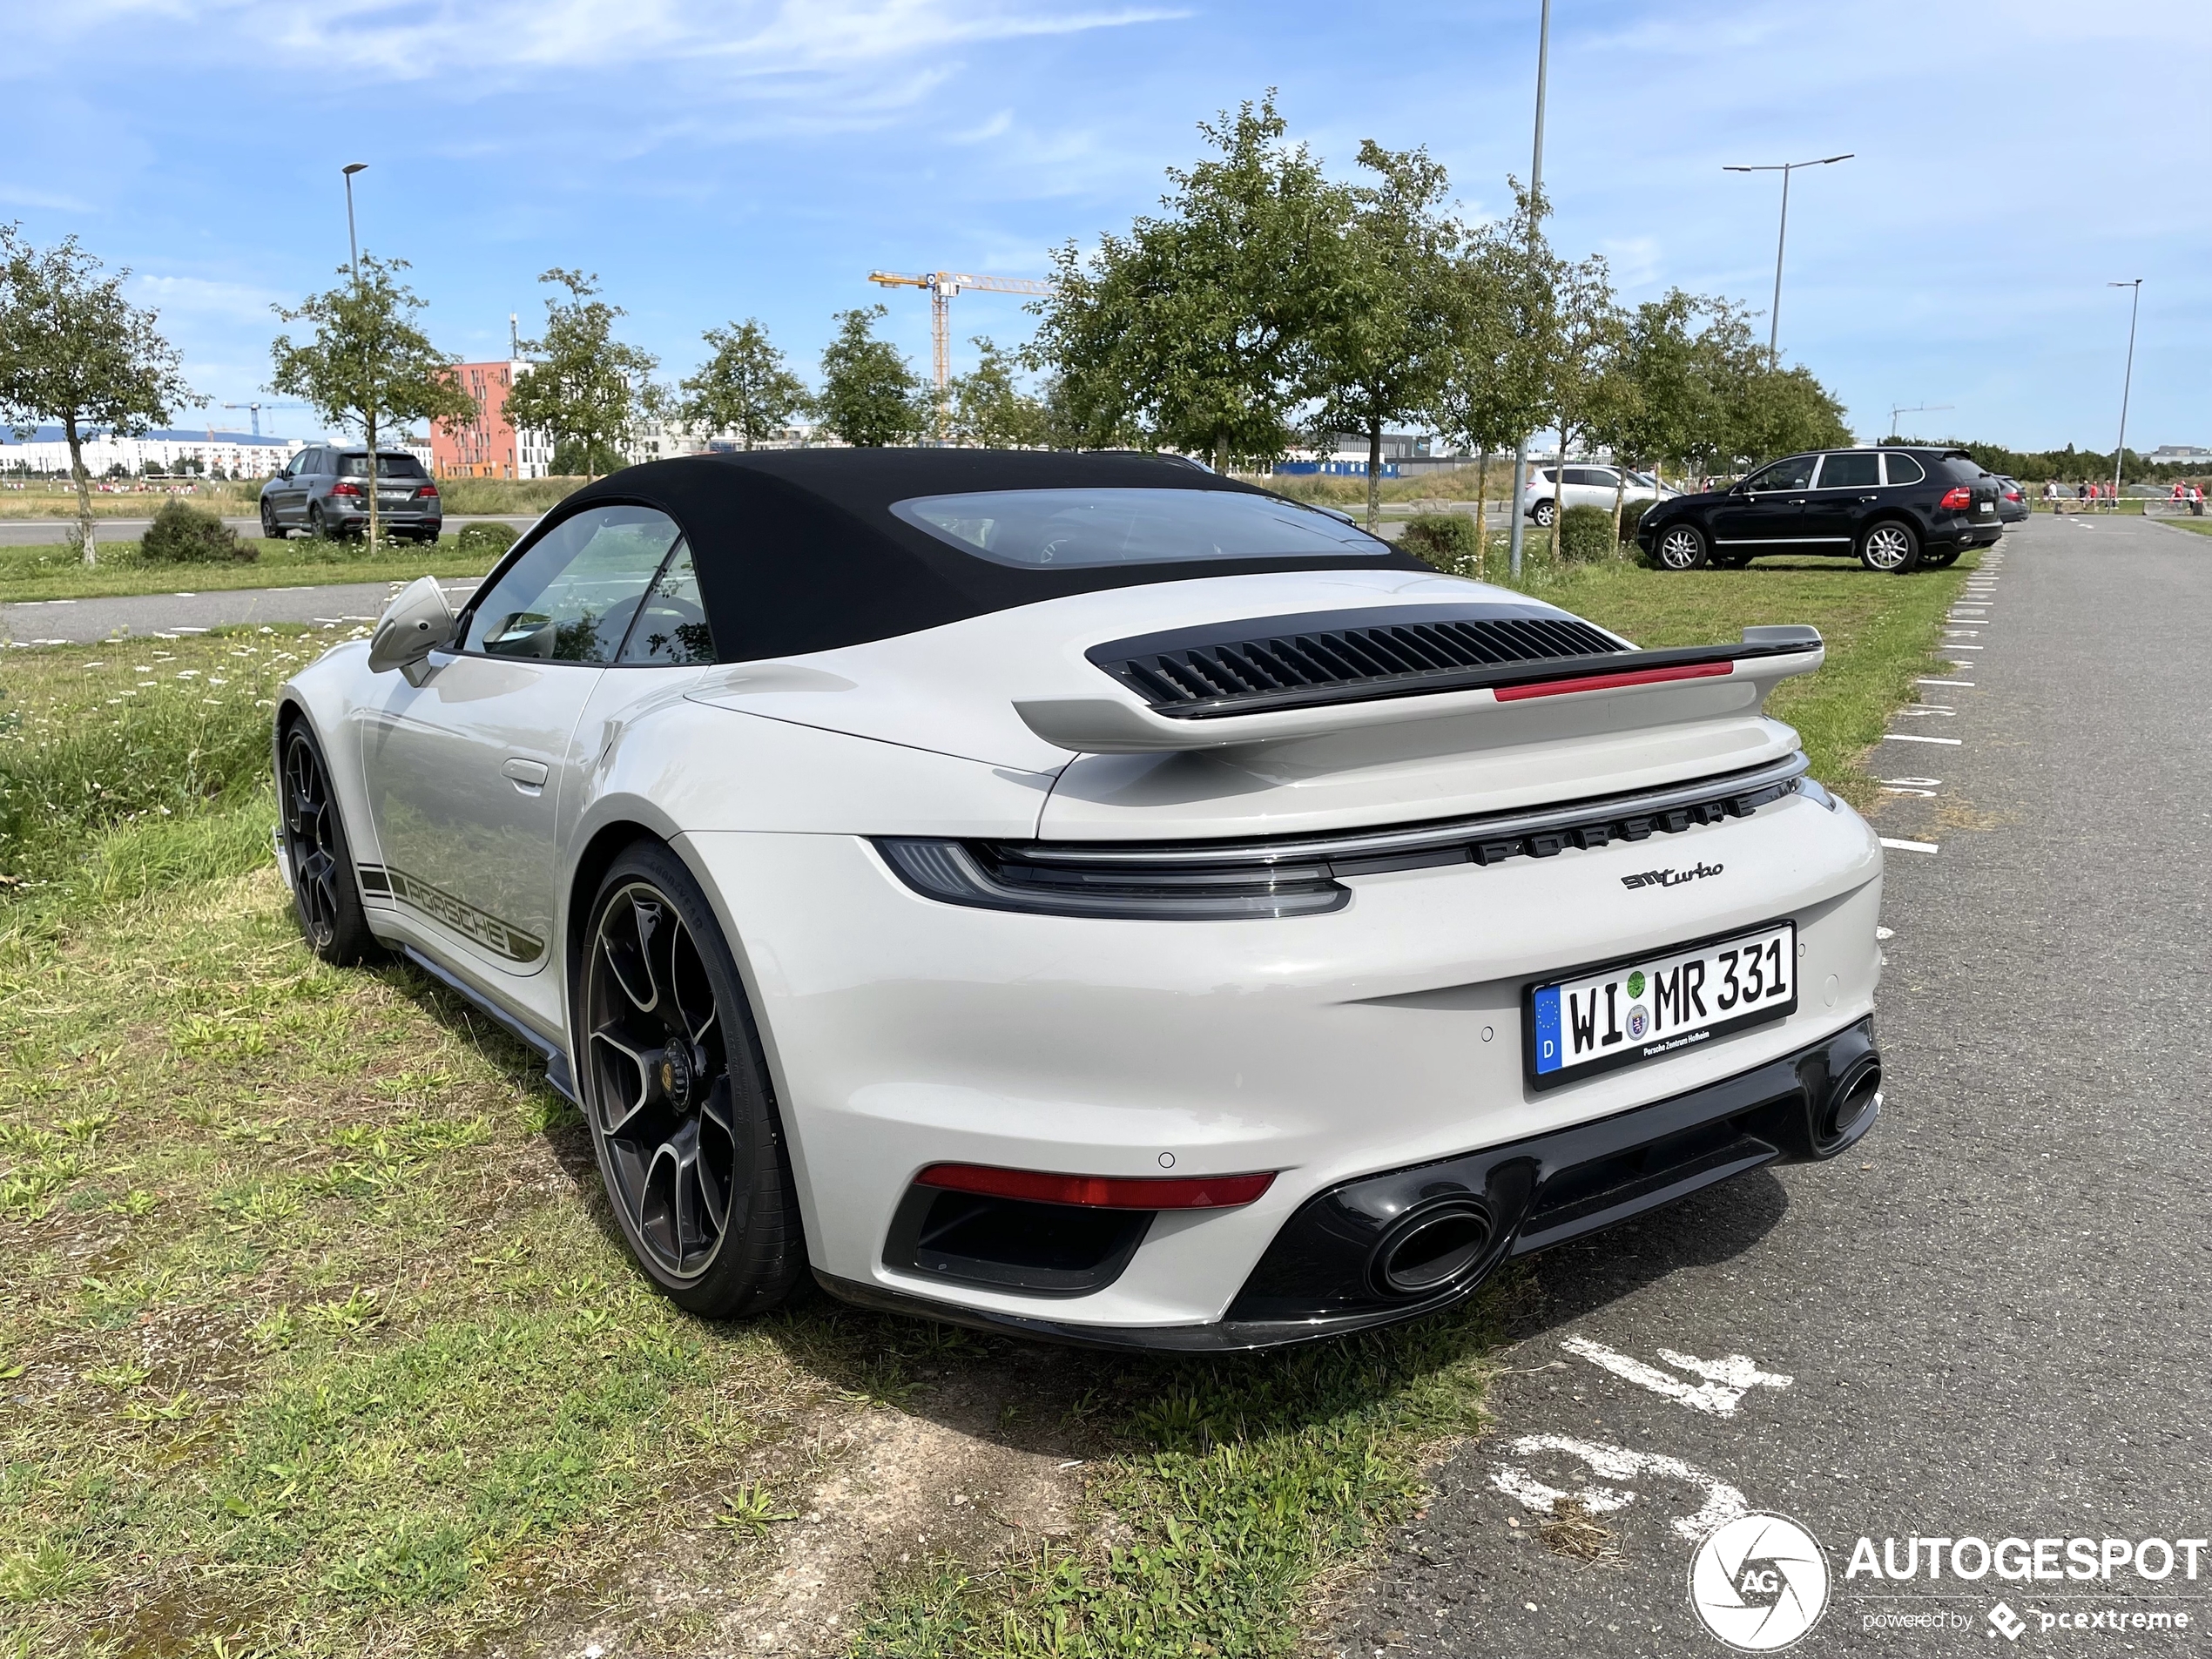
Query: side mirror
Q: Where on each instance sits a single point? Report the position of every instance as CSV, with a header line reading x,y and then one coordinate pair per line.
x,y
415,624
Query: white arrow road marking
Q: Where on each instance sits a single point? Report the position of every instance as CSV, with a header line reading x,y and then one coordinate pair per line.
x,y
1908,846
1723,1503
1726,1380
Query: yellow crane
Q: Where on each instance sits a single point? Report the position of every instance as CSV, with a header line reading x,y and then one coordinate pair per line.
x,y
942,286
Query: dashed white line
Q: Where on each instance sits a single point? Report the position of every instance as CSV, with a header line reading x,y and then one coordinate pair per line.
x,y
1969,685
1908,846
1914,737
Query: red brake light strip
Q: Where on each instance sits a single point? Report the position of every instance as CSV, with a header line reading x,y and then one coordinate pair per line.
x,y
1607,682
1101,1191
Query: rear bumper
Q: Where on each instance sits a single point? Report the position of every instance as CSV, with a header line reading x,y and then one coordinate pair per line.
x,y
1323,1275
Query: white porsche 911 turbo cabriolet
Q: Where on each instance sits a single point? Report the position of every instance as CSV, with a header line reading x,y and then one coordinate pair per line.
x,y
1085,896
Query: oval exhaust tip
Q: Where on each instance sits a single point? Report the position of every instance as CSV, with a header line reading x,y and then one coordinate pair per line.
x,y
1850,1098
1432,1247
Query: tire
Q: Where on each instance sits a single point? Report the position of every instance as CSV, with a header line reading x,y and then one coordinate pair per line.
x,y
675,1091
1543,514
325,896
270,530
1891,548
1680,547
316,528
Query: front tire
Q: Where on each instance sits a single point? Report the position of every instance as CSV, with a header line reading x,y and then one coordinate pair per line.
x,y
325,895
676,1091
1680,547
1891,548
270,531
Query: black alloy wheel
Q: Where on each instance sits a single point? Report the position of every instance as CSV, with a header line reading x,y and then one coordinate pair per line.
x,y
675,1089
1890,547
1680,547
324,894
270,530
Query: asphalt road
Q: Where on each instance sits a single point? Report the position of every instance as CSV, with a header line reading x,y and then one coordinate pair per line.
x,y
73,621
1989,1320
44,532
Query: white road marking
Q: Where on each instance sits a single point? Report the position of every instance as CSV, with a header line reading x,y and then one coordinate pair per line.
x,y
1941,648
1886,933
1969,685
1908,846
1914,783
1918,709
1726,1381
1914,737
1894,789
1723,1503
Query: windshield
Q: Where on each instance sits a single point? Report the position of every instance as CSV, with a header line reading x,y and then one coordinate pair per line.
x,y
1063,528
387,466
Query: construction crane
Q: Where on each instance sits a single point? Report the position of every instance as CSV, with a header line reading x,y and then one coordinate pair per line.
x,y
942,286
258,408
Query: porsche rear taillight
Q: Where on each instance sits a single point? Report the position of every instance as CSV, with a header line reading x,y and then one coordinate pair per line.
x,y
1957,499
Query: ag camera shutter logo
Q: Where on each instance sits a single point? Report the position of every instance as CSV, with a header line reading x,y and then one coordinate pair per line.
x,y
1759,1583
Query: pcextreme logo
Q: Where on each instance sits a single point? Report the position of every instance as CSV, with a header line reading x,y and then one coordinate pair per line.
x,y
1670,878
1759,1583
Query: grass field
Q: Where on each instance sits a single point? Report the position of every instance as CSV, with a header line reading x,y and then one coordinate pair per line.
x,y
316,1337
38,573
239,498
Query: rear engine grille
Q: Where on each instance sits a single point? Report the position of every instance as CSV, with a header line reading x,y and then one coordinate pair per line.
x,y
1292,660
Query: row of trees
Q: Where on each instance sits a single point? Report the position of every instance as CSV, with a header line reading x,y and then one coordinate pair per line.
x,y
1269,303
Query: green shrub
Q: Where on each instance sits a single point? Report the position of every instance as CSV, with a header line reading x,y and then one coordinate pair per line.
x,y
1585,534
488,540
185,534
1445,539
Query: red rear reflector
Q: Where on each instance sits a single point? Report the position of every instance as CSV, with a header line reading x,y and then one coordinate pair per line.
x,y
1958,500
1100,1191
1606,682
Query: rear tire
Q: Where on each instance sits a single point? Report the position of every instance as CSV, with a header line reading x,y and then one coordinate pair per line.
x,y
316,528
326,895
1890,548
676,1091
1543,514
1680,547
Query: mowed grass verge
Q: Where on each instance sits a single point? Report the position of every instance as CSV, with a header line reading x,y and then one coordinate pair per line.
x,y
315,1337
30,575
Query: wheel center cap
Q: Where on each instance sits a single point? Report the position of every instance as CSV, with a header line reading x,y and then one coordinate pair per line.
x,y
675,1074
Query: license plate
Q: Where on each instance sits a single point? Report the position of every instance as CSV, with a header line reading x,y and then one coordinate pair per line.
x,y
1989,507
1649,1007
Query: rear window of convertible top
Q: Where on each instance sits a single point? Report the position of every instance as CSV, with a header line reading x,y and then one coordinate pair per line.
x,y
1060,528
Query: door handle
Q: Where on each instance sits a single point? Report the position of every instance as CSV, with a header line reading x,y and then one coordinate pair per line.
x,y
1863,500
529,776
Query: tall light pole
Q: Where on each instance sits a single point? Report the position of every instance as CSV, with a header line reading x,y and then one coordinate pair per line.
x,y
2135,300
1785,168
353,248
1535,191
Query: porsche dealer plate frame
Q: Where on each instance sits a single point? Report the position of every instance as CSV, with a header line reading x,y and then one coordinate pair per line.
x,y
1644,1007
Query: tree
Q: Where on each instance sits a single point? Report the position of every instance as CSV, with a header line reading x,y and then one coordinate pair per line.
x,y
1648,397
1193,331
745,389
870,396
987,408
73,350
368,364
1582,328
1382,350
585,390
1782,412
1492,391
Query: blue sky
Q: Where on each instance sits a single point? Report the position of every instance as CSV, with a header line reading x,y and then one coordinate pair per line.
x,y
713,161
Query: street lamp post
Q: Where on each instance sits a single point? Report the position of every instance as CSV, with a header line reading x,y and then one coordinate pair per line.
x,y
2128,384
1536,190
1785,168
353,248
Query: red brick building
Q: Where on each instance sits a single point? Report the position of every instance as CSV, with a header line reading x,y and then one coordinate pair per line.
x,y
490,447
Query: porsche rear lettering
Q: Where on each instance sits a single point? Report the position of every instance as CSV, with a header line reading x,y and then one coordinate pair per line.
x,y
1670,878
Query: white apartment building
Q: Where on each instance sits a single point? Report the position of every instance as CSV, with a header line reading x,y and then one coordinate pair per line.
x,y
237,455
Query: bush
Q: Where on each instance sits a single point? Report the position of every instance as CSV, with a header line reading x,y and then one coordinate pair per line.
x,y
1585,534
488,540
183,535
1445,539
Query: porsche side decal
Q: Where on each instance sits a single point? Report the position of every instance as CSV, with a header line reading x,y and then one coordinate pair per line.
x,y
441,907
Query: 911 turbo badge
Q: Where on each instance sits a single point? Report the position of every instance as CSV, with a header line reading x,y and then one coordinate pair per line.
x,y
463,918
1670,877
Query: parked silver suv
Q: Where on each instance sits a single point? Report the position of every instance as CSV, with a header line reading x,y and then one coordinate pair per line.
x,y
324,492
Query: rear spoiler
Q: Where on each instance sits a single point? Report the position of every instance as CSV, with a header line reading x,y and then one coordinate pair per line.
x,y
1107,725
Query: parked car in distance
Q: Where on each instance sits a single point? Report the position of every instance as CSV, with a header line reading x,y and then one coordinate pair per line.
x,y
1105,901
2012,499
1587,485
1894,510
324,492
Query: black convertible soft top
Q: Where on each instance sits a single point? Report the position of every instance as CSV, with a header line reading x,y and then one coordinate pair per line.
x,y
798,549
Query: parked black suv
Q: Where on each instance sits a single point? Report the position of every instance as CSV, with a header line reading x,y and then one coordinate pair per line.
x,y
1895,509
324,492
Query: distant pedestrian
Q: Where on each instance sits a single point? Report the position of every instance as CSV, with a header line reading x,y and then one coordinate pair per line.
x,y
2196,501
